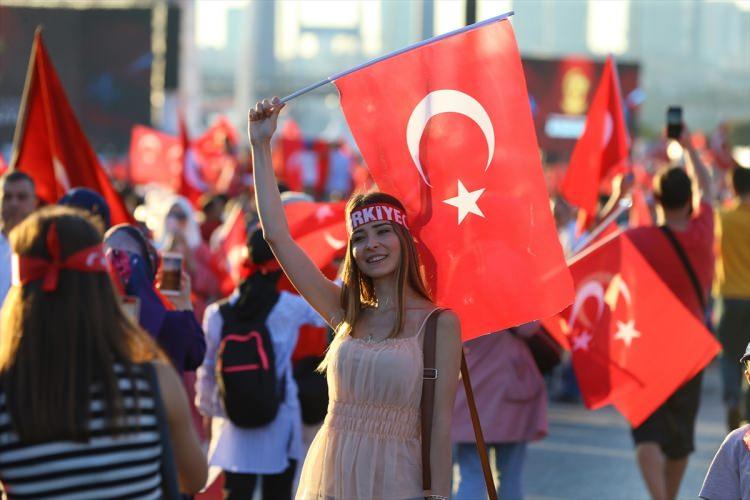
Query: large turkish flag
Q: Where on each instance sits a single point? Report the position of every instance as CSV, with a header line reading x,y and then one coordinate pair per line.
x,y
602,149
447,129
633,342
50,145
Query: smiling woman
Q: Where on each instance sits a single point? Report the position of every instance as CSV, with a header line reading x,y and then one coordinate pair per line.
x,y
374,364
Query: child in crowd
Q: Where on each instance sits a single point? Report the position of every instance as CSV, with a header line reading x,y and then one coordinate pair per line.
x,y
728,477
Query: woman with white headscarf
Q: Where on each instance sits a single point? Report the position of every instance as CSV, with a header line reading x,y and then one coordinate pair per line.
x,y
179,232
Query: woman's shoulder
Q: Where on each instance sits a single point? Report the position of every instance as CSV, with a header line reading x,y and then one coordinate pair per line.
x,y
449,319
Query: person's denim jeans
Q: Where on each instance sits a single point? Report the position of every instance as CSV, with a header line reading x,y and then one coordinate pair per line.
x,y
509,458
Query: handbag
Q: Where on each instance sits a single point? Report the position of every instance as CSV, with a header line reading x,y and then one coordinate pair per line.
x,y
168,469
429,377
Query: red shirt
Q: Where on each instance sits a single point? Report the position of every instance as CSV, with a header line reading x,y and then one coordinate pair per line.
x,y
697,241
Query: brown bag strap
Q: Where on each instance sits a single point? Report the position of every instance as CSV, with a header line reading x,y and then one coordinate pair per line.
x,y
481,446
430,375
428,395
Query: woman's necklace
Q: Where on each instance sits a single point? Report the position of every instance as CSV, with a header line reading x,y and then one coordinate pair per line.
x,y
370,339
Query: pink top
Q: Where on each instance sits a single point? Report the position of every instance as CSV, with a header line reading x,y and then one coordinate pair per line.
x,y
509,391
369,446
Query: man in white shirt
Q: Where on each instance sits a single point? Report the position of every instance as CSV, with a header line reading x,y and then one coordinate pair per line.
x,y
17,201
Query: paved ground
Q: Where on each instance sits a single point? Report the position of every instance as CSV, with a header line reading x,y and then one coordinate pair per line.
x,y
588,455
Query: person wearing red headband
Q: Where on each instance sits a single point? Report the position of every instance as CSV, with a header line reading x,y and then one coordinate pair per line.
x,y
369,446
79,380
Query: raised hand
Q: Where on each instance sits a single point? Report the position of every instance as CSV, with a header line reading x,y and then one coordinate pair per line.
x,y
261,120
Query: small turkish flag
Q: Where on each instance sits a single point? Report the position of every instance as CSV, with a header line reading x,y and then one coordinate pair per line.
x,y
602,147
633,343
49,144
191,186
213,150
229,250
447,129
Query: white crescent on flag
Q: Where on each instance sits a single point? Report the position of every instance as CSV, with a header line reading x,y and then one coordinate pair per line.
x,y
446,101
590,289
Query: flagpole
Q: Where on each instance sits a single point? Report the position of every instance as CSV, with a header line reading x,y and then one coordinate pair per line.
x,y
622,205
23,111
342,74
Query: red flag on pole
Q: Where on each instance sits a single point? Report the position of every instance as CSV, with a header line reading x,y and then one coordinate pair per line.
x,y
191,185
49,144
213,152
633,342
452,137
603,145
228,247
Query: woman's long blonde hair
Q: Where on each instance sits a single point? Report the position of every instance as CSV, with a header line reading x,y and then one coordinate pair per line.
x,y
357,290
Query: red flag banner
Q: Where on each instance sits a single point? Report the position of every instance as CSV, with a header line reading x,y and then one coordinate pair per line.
x,y
155,157
49,144
633,343
602,147
446,127
214,161
191,186
319,228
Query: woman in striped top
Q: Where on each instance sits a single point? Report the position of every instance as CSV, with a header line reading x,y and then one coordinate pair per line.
x,y
77,411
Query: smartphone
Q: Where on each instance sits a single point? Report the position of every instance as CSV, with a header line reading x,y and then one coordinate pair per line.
x,y
132,307
674,122
171,273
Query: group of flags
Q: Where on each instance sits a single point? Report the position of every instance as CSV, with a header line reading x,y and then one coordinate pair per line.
x,y
189,167
452,137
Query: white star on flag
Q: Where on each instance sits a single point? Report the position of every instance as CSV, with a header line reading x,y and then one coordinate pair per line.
x,y
582,341
466,202
323,213
627,332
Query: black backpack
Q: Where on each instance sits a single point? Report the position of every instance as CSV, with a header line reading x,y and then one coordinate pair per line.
x,y
246,370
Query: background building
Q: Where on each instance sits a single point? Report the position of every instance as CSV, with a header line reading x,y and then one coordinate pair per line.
x,y
213,57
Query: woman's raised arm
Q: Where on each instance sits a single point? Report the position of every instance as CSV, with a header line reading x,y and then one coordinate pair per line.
x,y
319,291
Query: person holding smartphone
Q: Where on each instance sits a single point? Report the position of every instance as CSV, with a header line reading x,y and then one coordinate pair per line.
x,y
136,265
179,234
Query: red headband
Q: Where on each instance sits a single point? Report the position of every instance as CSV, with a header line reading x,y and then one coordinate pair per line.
x,y
379,212
27,269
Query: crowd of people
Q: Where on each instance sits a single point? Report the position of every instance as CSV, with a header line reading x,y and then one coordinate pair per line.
x,y
112,386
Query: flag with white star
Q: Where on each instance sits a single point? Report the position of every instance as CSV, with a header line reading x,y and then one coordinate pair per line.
x,y
633,342
447,129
